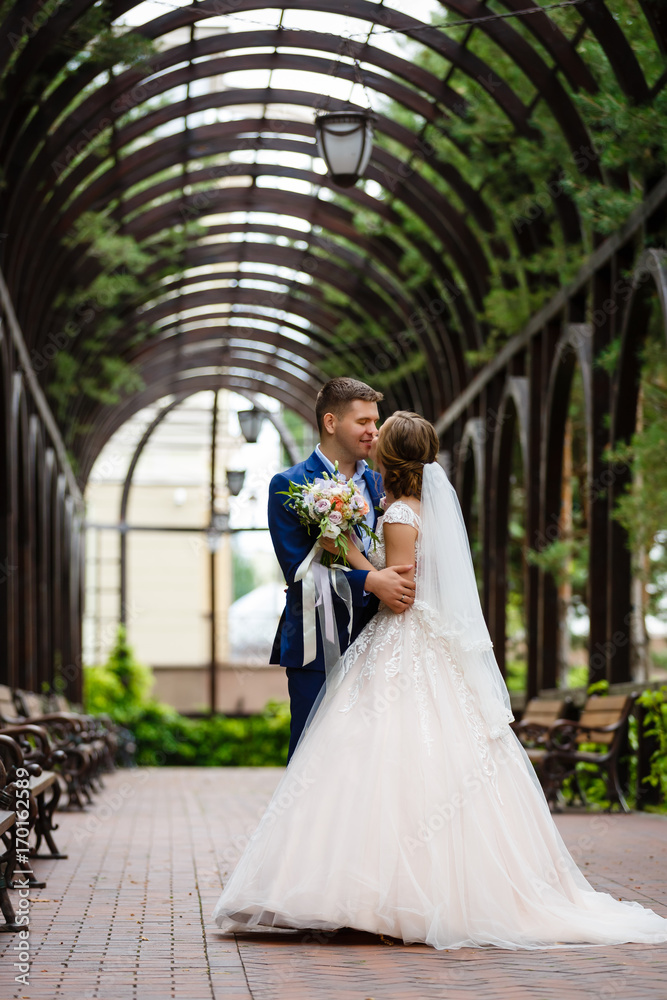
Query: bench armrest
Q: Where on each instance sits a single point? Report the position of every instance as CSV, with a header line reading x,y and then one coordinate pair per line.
x,y
564,735
42,755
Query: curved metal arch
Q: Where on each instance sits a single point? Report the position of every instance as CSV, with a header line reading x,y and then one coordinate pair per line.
x,y
651,264
175,184
429,336
519,42
161,369
372,355
184,78
184,332
233,295
366,303
550,476
550,37
577,339
40,530
25,517
125,496
515,392
547,33
541,16
567,354
417,195
472,442
81,409
408,307
184,336
224,339
319,319
512,417
394,306
621,56
332,246
212,356
424,324
190,286
49,473
657,23
29,189
454,52
326,320
112,418
7,510
222,131
330,216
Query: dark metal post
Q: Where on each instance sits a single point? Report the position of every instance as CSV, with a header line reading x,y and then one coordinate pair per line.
x,y
213,674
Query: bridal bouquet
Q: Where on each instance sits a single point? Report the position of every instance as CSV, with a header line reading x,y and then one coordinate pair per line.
x,y
332,504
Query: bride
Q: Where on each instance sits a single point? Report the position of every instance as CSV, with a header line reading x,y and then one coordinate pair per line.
x,y
409,808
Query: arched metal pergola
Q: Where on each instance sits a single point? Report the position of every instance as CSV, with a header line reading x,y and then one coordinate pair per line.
x,y
278,279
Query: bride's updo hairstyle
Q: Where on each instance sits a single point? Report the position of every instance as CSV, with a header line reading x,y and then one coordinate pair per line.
x,y
405,443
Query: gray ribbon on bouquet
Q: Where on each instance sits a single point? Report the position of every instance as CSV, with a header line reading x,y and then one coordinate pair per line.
x,y
317,582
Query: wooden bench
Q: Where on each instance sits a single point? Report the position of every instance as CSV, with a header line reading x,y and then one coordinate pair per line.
x,y
12,753
105,727
99,731
539,715
604,722
39,758
82,749
14,770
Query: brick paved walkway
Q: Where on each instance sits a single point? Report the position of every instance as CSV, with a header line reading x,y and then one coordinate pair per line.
x,y
127,916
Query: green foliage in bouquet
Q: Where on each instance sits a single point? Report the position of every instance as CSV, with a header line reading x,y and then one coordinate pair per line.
x,y
342,495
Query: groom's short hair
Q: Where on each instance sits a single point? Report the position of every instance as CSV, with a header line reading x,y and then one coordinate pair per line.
x,y
336,395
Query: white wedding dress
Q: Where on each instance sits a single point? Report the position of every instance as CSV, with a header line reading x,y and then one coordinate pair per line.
x,y
400,815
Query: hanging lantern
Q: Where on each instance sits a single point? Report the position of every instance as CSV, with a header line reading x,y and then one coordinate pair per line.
x,y
251,423
345,140
217,528
235,480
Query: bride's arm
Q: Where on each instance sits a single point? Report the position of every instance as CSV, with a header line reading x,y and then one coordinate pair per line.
x,y
399,542
355,557
393,585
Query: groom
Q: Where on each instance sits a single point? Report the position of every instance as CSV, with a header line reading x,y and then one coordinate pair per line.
x,y
346,412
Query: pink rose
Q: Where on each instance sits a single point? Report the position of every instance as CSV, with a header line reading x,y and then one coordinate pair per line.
x,y
322,506
335,517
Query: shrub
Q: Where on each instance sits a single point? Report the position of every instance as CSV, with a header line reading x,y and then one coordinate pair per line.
x,y
121,688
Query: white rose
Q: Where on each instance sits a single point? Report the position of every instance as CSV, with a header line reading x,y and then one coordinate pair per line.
x,y
332,531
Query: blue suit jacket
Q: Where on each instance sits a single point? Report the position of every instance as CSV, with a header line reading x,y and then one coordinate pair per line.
x,y
292,543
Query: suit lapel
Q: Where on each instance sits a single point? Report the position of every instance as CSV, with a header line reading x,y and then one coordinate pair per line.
x,y
374,483
314,466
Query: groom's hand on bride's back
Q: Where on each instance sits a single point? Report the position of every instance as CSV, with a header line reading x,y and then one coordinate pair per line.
x,y
393,586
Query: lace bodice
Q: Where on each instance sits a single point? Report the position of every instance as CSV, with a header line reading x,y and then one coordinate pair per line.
x,y
398,513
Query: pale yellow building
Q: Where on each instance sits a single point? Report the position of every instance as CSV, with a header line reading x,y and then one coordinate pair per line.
x,y
168,561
